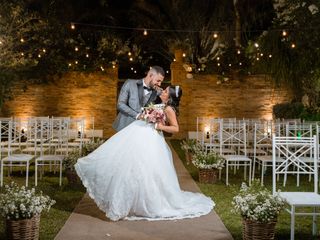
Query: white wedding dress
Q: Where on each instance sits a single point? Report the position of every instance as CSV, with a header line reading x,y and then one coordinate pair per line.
x,y
132,176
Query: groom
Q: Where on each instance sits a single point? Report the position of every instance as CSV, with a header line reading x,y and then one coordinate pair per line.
x,y
136,94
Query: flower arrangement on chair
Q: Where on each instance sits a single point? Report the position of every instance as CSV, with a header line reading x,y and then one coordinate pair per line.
x,y
259,210
22,207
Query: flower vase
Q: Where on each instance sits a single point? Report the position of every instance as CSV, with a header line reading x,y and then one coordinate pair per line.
x,y
72,176
258,231
208,175
26,229
188,157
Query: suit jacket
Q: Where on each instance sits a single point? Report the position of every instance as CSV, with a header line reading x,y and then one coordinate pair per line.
x,y
130,102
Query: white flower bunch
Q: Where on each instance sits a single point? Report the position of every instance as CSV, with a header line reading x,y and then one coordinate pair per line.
x,y
207,160
22,203
256,203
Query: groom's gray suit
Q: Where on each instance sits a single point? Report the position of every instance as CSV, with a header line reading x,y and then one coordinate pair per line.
x,y
131,100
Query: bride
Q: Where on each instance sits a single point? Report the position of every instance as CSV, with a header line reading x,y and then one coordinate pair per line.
x,y
131,176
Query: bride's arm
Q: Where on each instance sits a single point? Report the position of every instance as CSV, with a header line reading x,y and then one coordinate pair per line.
x,y
173,126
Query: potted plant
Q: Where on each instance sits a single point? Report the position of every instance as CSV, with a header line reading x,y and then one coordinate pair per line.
x,y
209,164
71,159
22,208
259,210
190,146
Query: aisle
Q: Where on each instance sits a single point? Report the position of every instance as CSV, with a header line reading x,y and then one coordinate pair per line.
x,y
88,222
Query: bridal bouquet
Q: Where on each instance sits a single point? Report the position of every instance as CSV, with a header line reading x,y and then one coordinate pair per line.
x,y
154,113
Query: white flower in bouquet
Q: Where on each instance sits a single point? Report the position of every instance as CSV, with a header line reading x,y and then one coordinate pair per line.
x,y
21,203
256,203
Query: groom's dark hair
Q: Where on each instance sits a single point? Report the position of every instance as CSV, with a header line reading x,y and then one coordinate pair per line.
x,y
158,70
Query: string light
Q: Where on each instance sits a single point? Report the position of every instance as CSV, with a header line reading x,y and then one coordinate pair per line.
x,y
135,71
129,53
131,59
256,45
87,55
293,45
39,55
240,63
199,69
261,54
167,71
145,32
76,62
270,56
132,69
102,69
22,40
218,64
238,51
284,33
1,42
22,54
229,64
183,55
218,58
43,50
113,66
258,59
76,49
215,35
73,26
70,64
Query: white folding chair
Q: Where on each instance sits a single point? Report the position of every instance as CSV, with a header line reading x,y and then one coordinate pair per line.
x,y
14,160
293,150
234,135
46,158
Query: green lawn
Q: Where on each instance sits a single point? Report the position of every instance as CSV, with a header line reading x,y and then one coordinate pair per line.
x,y
66,197
222,195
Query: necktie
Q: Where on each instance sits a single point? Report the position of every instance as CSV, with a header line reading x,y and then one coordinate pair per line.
x,y
147,88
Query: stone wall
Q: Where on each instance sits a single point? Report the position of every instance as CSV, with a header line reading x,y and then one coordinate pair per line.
x,y
95,95
252,97
76,94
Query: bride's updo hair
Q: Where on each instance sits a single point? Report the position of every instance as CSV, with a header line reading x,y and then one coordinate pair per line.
x,y
175,93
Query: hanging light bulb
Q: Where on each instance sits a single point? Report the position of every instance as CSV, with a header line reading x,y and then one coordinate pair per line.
x,y
145,32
